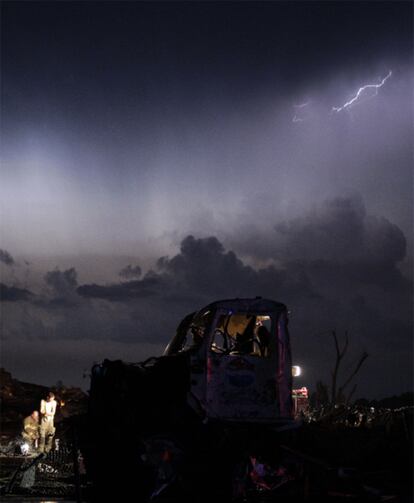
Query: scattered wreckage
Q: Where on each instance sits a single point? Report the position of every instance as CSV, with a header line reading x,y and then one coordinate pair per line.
x,y
206,414
214,417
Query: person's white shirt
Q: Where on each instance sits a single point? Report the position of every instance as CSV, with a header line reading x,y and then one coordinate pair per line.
x,y
48,410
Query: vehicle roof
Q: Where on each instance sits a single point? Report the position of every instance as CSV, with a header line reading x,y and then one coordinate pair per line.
x,y
256,304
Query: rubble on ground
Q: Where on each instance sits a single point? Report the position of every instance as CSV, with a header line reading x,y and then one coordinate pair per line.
x,y
353,453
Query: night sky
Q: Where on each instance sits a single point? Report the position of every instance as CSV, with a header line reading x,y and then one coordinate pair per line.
x,y
156,157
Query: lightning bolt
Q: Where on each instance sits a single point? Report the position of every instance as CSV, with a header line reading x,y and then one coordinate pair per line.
x,y
360,91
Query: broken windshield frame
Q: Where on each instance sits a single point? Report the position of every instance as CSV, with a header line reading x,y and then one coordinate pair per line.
x,y
241,333
190,332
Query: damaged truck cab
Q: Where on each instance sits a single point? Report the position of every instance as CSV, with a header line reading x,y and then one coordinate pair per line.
x,y
222,389
240,360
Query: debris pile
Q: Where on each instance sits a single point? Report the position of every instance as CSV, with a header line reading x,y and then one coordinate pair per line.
x,y
385,420
52,474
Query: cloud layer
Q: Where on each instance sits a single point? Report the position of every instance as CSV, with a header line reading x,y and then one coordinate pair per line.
x,y
336,268
6,258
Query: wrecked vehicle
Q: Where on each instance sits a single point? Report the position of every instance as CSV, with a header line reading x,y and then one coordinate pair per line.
x,y
187,420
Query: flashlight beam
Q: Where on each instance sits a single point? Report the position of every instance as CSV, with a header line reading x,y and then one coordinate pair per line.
x,y
360,91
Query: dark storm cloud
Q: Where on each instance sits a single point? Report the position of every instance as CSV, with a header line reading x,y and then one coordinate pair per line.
x,y
62,287
148,286
341,231
352,260
336,252
13,294
201,272
62,282
337,245
203,269
204,266
57,312
335,268
337,238
6,258
130,272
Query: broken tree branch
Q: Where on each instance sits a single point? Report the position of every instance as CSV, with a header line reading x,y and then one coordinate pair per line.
x,y
361,360
340,353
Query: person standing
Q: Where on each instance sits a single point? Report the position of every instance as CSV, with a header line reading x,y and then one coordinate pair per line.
x,y
47,427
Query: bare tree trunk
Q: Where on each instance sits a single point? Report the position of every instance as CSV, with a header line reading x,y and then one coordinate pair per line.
x,y
361,360
340,353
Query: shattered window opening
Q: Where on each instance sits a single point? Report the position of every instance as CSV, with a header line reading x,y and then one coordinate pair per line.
x,y
193,335
242,334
